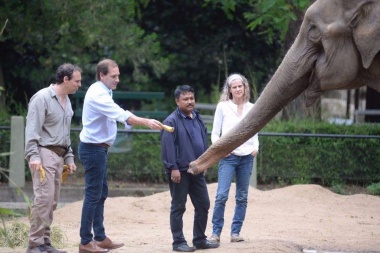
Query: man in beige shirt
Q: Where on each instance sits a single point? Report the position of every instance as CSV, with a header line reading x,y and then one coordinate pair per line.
x,y
47,149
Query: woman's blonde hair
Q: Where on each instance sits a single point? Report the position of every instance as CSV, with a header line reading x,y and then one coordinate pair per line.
x,y
226,92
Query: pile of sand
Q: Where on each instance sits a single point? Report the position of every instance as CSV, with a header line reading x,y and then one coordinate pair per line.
x,y
299,218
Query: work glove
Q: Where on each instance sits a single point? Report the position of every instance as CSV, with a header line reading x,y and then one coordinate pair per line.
x,y
65,172
42,174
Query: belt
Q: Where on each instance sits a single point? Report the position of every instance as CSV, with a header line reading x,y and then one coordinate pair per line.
x,y
103,145
60,151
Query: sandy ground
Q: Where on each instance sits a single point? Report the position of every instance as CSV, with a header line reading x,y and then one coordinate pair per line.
x,y
300,218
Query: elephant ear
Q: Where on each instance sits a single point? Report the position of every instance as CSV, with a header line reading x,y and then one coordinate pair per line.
x,y
366,30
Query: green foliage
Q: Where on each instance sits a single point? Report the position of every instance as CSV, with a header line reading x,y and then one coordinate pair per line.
x,y
205,41
158,44
16,234
270,17
374,189
41,35
267,17
7,212
141,164
328,161
228,6
338,188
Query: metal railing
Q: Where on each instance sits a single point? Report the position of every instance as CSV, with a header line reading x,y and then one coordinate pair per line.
x,y
147,143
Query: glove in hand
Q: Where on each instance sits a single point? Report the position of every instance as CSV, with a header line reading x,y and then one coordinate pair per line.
x,y
65,172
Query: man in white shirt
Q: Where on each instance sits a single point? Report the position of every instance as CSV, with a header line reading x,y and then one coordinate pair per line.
x,y
99,119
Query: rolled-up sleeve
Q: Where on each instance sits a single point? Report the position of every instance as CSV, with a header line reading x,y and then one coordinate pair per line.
x,y
34,122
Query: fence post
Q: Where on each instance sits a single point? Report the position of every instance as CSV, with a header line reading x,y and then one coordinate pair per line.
x,y
17,161
253,180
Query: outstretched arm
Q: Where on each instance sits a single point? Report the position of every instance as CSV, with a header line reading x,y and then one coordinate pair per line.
x,y
150,123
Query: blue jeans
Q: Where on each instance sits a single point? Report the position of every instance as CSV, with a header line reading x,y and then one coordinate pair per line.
x,y
94,160
241,166
196,187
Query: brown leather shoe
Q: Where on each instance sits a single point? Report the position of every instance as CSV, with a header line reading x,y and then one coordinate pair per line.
x,y
109,244
91,247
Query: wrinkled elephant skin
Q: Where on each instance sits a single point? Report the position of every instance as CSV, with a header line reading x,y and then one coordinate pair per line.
x,y
337,47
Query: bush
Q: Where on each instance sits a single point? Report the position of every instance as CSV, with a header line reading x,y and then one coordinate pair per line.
x,y
374,189
282,159
325,160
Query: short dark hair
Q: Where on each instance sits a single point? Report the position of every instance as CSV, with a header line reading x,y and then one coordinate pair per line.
x,y
66,69
103,67
182,89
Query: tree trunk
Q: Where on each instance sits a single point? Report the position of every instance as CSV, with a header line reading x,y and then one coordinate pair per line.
x,y
372,103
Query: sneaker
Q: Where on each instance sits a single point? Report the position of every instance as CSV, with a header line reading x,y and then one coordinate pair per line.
x,y
50,249
38,249
236,238
214,238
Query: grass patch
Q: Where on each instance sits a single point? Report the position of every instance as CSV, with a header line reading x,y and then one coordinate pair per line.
x,y
16,234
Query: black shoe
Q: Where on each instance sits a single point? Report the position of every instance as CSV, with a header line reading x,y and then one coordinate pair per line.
x,y
183,248
206,244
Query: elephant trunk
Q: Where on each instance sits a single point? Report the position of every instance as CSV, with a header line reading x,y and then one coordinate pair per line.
x,y
289,81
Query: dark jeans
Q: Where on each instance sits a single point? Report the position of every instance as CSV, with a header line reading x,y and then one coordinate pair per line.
x,y
94,160
196,187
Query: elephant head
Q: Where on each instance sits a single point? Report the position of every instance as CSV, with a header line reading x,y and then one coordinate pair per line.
x,y
337,47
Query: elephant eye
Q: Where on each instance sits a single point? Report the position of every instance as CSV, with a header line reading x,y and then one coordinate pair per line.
x,y
314,33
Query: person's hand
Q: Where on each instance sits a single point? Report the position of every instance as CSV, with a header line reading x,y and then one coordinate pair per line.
x,y
154,124
72,168
255,152
175,176
35,165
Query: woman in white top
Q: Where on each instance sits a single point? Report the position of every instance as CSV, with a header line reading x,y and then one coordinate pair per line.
x,y
232,107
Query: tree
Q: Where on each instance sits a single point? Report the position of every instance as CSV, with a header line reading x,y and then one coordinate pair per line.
x,y
158,44
41,35
205,43
277,21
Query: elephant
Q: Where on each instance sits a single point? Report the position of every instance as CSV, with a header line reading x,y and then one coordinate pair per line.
x,y
337,47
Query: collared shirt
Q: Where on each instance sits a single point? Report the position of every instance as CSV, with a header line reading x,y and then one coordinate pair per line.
x,y
193,127
47,123
100,114
227,117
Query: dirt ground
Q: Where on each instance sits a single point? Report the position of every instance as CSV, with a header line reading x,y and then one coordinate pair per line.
x,y
299,218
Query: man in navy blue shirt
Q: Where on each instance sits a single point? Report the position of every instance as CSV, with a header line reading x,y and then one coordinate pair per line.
x,y
186,144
